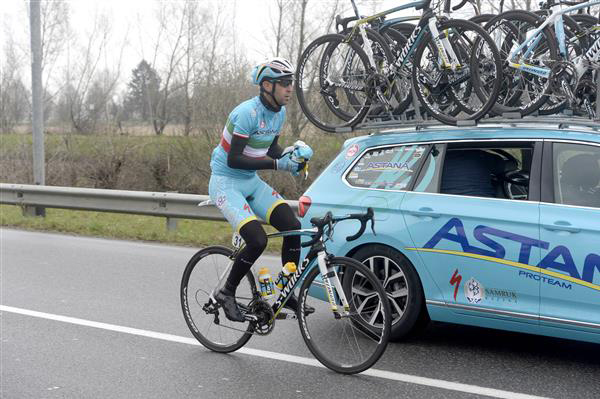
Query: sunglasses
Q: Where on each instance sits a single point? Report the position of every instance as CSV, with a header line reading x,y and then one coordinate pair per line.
x,y
284,83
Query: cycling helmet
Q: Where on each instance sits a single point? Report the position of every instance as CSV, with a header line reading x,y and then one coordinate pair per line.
x,y
273,68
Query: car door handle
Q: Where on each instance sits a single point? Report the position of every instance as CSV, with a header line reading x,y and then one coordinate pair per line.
x,y
424,211
561,225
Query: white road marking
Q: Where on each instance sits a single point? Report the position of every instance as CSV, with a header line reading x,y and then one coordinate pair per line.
x,y
388,375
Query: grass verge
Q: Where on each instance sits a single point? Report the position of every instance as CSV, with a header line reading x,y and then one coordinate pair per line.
x,y
197,233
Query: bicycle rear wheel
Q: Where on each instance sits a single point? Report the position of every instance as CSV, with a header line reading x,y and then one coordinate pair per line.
x,y
523,91
355,341
201,314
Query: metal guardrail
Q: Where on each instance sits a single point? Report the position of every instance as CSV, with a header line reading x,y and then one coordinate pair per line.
x,y
169,205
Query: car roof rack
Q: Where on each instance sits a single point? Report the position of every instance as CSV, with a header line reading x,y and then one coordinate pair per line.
x,y
412,119
560,121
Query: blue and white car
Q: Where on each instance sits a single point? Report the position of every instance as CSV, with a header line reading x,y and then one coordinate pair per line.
x,y
494,226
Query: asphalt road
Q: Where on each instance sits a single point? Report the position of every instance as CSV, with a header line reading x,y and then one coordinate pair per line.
x,y
93,318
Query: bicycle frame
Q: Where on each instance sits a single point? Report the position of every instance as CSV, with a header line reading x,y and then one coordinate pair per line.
x,y
427,21
317,251
534,38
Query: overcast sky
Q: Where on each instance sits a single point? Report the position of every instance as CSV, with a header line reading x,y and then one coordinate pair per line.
x,y
252,17
253,22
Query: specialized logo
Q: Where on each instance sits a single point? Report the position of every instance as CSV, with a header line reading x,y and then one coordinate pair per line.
x,y
558,258
291,283
455,281
408,47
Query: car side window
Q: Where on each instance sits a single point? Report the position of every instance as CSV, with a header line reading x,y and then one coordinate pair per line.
x,y
492,170
389,168
576,170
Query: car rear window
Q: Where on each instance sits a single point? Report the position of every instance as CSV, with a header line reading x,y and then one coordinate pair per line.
x,y
388,168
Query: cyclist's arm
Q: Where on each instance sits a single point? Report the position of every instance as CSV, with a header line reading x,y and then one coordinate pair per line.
x,y
275,150
237,160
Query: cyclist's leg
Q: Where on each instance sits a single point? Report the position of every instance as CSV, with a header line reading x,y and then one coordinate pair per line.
x,y
230,197
270,206
283,219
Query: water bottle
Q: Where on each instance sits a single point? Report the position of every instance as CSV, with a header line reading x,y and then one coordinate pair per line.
x,y
265,283
284,275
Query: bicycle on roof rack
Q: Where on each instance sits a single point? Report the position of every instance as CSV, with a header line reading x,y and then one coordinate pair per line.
x,y
350,326
551,59
452,67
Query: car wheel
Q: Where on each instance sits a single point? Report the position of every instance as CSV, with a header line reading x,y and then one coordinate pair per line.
x,y
402,286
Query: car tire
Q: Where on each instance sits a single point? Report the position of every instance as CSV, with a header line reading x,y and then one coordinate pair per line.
x,y
402,285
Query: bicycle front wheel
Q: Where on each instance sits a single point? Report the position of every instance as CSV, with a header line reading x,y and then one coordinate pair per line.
x,y
472,84
347,340
205,319
332,83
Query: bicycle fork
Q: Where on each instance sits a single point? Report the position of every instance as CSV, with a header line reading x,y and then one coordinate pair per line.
x,y
330,281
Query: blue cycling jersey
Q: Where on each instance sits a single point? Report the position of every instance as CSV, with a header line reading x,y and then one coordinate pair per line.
x,y
251,119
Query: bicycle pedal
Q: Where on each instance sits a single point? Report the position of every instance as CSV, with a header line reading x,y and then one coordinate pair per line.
x,y
250,317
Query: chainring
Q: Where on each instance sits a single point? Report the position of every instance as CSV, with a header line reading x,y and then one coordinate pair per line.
x,y
560,73
266,317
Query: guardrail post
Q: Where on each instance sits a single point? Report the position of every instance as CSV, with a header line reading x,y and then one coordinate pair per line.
x,y
172,224
29,210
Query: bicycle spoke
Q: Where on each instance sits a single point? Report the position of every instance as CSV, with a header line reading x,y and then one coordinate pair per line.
x,y
200,279
346,340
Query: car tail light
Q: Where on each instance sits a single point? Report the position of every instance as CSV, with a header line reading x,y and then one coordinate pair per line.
x,y
303,204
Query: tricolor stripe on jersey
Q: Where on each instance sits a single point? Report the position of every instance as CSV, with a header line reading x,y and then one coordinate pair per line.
x,y
257,147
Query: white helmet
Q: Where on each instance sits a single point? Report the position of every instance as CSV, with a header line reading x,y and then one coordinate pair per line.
x,y
273,68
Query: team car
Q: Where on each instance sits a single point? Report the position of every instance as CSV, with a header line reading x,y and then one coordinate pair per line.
x,y
495,225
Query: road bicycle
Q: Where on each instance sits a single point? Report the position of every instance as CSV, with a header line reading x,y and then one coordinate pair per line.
x,y
546,59
349,328
447,62
394,32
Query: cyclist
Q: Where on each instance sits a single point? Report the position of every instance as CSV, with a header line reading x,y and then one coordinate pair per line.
x,y
249,143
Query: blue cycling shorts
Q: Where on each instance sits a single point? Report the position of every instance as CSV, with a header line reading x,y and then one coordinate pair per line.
x,y
242,200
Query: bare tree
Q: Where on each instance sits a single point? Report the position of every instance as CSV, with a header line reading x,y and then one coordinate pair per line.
x,y
297,23
90,84
221,78
55,17
494,6
14,96
174,57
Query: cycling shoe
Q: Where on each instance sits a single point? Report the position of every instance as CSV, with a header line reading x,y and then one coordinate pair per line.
x,y
292,304
230,306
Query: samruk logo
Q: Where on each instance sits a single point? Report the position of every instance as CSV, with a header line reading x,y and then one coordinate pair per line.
x,y
474,291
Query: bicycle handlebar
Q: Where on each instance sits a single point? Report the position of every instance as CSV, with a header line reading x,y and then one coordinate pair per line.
x,y
330,220
341,24
455,8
